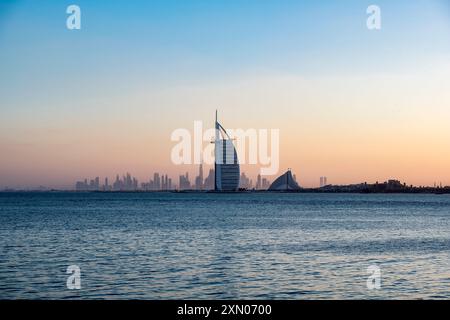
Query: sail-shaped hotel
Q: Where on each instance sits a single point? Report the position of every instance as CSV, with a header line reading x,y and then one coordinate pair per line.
x,y
226,165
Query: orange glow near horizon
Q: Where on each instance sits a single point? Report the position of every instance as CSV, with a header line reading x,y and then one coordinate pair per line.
x,y
331,135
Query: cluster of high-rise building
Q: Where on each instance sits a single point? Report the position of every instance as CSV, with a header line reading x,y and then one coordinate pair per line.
x,y
225,176
162,182
185,184
126,183
85,185
200,183
262,183
159,183
247,183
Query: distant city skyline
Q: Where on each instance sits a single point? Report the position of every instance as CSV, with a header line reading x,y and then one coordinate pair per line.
x,y
163,182
351,104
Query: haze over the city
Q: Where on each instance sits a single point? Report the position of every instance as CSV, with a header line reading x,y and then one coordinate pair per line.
x,y
351,104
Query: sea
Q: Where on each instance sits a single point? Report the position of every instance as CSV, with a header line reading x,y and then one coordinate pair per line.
x,y
69,245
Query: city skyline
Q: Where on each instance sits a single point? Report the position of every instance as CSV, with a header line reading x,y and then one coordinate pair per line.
x,y
163,182
351,104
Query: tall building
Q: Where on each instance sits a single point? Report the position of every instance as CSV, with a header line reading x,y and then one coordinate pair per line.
x,y
185,184
129,182
323,181
159,183
258,182
245,182
156,181
106,186
116,184
226,165
199,179
266,183
209,181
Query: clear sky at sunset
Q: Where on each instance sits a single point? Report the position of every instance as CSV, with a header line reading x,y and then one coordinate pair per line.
x,y
351,104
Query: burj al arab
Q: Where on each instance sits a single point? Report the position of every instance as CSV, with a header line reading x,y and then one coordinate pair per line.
x,y
226,165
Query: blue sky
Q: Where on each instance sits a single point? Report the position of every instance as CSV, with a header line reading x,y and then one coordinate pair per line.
x,y
172,40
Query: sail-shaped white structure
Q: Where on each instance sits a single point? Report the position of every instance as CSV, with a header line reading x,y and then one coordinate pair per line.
x,y
226,165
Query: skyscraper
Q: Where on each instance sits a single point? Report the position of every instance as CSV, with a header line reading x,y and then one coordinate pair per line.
x,y
156,181
185,184
199,179
226,166
266,183
209,181
245,182
258,182
323,181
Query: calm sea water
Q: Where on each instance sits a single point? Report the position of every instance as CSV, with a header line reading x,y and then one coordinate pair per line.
x,y
217,246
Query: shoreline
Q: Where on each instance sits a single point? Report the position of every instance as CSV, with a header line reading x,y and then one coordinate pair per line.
x,y
309,191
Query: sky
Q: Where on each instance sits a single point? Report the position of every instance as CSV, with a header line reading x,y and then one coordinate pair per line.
x,y
353,104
